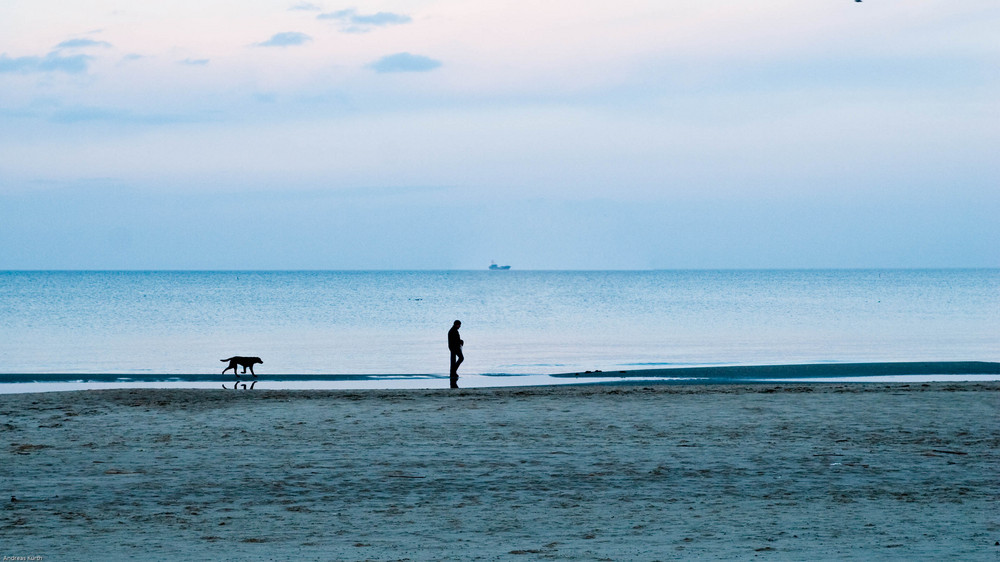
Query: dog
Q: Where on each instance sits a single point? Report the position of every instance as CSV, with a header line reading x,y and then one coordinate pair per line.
x,y
245,362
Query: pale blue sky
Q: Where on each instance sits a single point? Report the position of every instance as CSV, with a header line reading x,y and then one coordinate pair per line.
x,y
443,134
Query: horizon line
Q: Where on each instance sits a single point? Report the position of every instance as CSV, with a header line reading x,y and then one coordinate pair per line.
x,y
485,269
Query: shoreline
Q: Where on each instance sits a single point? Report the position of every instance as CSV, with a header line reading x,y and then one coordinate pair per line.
x,y
628,386
886,372
808,370
897,471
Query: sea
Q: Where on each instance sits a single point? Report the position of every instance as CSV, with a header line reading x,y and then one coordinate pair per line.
x,y
387,329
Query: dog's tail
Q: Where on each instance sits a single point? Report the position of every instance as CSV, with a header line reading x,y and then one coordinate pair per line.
x,y
224,360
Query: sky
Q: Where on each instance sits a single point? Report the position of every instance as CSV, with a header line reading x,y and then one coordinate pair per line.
x,y
443,134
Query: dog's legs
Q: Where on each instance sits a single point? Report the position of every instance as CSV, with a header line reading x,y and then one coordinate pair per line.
x,y
251,371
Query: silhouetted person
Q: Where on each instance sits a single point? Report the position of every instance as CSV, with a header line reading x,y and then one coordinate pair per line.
x,y
455,346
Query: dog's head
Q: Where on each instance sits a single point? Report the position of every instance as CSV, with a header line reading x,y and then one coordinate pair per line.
x,y
254,360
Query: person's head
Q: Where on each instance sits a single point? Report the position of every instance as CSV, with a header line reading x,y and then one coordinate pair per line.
x,y
457,324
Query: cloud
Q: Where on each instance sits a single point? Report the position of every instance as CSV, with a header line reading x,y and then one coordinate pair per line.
x,y
381,18
82,114
52,62
338,15
80,43
362,23
194,62
286,39
404,62
305,7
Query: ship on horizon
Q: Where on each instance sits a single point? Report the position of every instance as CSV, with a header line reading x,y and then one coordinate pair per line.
x,y
495,267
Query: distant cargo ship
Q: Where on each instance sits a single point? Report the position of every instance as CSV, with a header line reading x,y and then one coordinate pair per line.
x,y
495,267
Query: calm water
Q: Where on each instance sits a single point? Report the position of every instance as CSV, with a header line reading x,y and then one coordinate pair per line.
x,y
514,322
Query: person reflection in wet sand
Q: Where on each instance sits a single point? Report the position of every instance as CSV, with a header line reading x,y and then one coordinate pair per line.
x,y
455,346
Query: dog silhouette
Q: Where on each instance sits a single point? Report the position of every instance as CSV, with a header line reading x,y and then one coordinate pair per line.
x,y
245,362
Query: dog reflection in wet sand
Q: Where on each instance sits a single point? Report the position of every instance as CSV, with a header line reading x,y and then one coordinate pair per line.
x,y
245,362
237,385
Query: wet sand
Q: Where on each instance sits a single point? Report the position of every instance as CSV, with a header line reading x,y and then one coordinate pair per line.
x,y
779,471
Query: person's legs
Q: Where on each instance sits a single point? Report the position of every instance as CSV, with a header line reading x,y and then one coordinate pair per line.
x,y
456,360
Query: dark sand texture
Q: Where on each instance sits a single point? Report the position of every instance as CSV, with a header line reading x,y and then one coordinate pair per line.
x,y
820,471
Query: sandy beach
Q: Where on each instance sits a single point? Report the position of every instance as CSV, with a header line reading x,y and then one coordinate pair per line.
x,y
769,471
